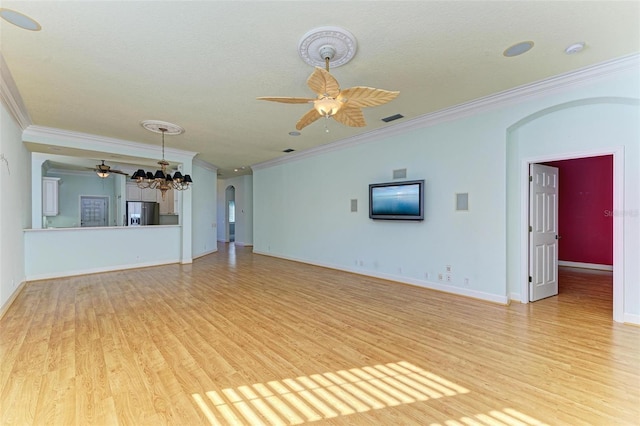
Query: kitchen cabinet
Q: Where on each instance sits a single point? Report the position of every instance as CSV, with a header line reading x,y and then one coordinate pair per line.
x,y
50,186
166,204
149,194
133,192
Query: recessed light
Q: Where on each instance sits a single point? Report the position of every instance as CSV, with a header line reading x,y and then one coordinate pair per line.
x,y
518,49
20,20
574,48
294,133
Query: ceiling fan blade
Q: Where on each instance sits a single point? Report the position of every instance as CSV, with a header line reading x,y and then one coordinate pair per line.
x,y
350,116
323,83
286,100
361,96
311,116
120,172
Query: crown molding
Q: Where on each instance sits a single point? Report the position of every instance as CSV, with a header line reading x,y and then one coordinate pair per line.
x,y
71,139
201,163
546,87
10,96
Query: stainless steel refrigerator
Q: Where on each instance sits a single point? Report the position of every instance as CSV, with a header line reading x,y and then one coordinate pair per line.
x,y
142,213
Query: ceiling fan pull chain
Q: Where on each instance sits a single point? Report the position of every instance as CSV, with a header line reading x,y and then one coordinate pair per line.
x,y
326,120
326,63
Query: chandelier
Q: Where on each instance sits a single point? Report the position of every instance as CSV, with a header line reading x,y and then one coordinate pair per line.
x,y
161,180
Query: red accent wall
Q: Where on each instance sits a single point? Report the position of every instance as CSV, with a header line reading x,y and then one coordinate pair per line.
x,y
585,217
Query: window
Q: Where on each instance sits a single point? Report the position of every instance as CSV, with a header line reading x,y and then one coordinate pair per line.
x,y
232,212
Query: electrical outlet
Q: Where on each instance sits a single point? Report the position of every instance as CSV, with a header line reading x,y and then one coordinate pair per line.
x,y
447,278
440,277
466,282
447,269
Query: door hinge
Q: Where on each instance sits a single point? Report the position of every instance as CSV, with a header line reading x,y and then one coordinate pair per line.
x,y
530,178
530,228
530,279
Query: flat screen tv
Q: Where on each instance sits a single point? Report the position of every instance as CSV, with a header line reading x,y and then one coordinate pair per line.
x,y
397,200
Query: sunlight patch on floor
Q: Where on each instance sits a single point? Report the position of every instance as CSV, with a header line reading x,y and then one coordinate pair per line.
x,y
327,395
506,417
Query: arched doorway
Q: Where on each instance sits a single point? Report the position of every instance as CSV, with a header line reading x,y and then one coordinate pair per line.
x,y
230,213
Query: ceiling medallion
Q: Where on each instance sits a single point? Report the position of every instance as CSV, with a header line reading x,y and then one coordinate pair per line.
x,y
340,40
163,127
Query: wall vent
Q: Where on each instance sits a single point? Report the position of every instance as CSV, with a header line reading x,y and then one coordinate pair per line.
x,y
400,174
462,202
354,205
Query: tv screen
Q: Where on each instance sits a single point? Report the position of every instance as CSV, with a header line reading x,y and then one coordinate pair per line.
x,y
397,200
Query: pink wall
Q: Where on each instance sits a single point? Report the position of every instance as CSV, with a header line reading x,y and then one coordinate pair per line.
x,y
585,220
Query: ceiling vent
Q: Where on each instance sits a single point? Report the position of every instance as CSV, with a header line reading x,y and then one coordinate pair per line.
x,y
392,117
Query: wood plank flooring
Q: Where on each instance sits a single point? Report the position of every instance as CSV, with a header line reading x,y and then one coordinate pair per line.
x,y
238,338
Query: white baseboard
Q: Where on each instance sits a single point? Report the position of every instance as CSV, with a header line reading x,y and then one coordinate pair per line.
x,y
205,253
503,300
585,265
12,298
52,275
631,319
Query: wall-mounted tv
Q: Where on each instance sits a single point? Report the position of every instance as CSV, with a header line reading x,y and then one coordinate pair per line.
x,y
397,200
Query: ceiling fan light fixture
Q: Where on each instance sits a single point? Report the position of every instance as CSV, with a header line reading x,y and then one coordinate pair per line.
x,y
102,175
327,106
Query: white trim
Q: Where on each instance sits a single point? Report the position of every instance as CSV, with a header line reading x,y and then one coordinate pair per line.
x,y
100,270
71,139
201,163
205,253
618,222
631,319
5,308
503,300
584,265
542,88
10,96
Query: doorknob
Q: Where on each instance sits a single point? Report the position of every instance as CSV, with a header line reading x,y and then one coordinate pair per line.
x,y
558,237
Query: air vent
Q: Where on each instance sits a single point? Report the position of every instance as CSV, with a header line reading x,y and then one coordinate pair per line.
x,y
400,173
288,150
462,202
392,117
354,205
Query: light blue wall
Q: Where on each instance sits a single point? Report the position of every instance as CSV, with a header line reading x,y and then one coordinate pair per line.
x,y
204,210
15,204
69,192
63,252
301,207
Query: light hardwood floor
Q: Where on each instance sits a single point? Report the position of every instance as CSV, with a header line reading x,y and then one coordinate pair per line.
x,y
238,338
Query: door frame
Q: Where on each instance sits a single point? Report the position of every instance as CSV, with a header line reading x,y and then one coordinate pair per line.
x,y
618,220
93,196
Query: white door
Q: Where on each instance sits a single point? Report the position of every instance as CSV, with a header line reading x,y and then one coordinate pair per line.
x,y
543,232
93,211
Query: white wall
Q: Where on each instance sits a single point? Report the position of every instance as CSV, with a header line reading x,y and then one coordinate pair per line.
x,y
15,207
204,220
244,209
301,207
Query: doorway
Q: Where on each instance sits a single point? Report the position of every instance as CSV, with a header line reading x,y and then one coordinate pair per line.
x,y
618,248
230,213
94,211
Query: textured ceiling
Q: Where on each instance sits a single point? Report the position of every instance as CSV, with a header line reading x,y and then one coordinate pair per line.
x,y
102,67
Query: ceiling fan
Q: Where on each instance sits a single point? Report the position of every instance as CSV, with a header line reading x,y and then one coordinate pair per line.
x,y
103,170
343,105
